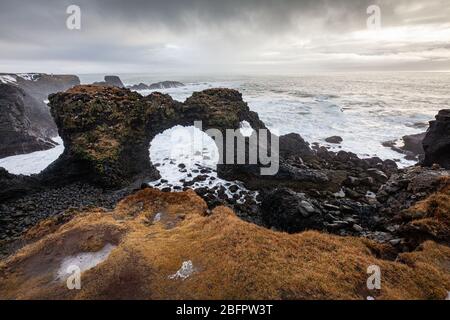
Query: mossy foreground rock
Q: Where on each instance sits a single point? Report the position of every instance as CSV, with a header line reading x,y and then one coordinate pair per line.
x,y
107,130
158,245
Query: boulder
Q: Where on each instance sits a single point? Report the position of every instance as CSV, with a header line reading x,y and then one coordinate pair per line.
x,y
334,139
436,143
293,145
112,81
413,143
290,211
140,86
165,85
14,186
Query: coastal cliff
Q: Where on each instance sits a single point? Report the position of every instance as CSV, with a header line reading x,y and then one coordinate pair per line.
x,y
25,121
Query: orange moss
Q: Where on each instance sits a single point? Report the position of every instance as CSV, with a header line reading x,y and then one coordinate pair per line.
x,y
233,259
432,215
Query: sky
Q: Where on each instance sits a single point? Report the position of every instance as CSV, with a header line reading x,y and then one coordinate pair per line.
x,y
229,37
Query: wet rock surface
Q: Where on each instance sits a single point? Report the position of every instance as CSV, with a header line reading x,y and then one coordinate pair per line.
x,y
113,81
334,139
25,121
170,246
19,214
437,141
107,131
410,145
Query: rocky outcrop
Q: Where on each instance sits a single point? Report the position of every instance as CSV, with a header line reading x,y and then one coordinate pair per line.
x,y
106,133
293,145
165,85
24,126
289,211
157,85
436,143
409,145
140,86
413,143
107,130
14,186
40,85
26,123
334,139
112,81
157,245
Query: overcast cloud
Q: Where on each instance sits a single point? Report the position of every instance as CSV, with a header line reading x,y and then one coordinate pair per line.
x,y
209,36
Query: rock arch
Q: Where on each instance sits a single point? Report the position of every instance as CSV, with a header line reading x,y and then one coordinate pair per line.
x,y
107,130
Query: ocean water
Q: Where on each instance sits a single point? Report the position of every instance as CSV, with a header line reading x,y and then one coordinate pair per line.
x,y
365,109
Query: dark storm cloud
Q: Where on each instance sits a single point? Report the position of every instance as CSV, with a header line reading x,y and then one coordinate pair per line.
x,y
149,34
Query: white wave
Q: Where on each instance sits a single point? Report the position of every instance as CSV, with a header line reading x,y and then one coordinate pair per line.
x,y
32,163
8,79
184,92
29,76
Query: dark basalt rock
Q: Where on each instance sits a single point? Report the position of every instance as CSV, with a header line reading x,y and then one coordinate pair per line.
x,y
289,211
412,146
25,121
436,143
140,86
42,85
334,139
106,134
413,143
165,85
107,130
13,186
113,81
157,85
293,145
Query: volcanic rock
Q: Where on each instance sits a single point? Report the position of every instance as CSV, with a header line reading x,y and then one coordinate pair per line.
x,y
413,143
25,121
437,141
334,139
289,211
273,264
165,85
112,81
140,86
22,123
293,145
107,130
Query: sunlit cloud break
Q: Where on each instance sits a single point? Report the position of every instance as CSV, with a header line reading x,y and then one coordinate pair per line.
x,y
232,36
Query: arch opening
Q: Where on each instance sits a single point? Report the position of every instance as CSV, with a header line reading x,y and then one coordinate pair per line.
x,y
186,158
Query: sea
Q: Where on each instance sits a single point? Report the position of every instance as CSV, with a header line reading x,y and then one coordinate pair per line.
x,y
365,109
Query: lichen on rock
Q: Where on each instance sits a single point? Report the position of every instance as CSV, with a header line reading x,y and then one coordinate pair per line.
x,y
107,130
233,259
